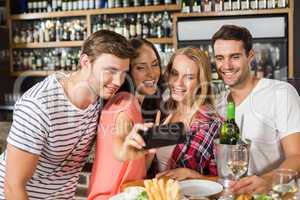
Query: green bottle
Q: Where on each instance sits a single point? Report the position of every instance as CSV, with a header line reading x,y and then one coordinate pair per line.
x,y
230,132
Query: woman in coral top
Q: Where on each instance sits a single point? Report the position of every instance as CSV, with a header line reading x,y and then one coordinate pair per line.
x,y
119,115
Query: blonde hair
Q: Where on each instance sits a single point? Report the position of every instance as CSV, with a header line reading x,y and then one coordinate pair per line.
x,y
205,93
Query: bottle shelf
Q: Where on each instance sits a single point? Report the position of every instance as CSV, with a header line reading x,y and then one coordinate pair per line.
x,y
66,44
35,73
62,44
7,107
235,13
164,40
77,13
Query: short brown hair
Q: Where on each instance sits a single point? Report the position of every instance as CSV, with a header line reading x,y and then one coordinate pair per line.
x,y
105,41
232,32
205,92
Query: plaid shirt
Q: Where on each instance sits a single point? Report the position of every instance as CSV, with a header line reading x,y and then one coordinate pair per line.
x,y
198,152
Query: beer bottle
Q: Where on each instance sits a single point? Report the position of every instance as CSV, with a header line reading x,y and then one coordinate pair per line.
x,y
230,133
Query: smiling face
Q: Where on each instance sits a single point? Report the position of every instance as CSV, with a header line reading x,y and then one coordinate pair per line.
x,y
232,62
145,71
107,74
183,79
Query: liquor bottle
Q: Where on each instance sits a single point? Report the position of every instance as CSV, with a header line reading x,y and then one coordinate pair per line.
x,y
185,6
276,74
259,72
271,4
64,5
207,5
254,4
146,29
227,4
146,3
218,5
136,3
30,6
91,4
138,26
75,4
132,27
282,3
85,4
59,5
167,1
156,2
49,6
126,3
45,5
245,4
80,5
166,24
196,6
40,5
230,132
262,4
236,5
70,5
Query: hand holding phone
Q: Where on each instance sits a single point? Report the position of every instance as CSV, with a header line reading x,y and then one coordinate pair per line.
x,y
164,135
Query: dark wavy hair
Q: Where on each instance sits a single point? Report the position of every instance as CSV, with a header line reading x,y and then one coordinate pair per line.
x,y
151,103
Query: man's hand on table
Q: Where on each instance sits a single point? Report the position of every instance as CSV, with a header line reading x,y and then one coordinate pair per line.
x,y
251,185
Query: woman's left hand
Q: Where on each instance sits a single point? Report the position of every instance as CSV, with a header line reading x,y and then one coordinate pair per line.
x,y
179,174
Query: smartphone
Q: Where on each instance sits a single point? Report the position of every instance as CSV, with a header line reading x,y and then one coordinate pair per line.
x,y
164,135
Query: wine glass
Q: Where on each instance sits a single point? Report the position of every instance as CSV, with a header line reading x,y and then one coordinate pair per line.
x,y
285,184
237,161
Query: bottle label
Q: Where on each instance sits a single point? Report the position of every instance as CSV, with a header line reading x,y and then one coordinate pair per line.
x,y
75,5
80,5
64,6
54,5
59,3
271,3
254,4
227,5
92,4
218,6
30,5
281,3
236,5
245,5
262,4
207,7
197,8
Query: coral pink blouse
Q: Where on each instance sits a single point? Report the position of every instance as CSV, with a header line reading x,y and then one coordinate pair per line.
x,y
108,174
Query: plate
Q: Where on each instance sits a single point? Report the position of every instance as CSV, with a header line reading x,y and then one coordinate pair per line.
x,y
196,188
130,193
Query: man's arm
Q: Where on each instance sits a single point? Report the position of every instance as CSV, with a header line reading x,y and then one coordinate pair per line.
x,y
256,184
20,167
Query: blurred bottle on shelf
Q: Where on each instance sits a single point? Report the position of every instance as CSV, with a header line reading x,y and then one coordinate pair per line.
x,y
46,59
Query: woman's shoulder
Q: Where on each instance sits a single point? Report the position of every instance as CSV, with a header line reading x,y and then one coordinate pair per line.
x,y
121,100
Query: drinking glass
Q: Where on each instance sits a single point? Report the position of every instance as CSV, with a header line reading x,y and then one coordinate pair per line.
x,y
237,161
285,184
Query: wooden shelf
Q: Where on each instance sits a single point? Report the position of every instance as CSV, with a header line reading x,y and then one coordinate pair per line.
x,y
3,26
62,44
77,13
234,13
65,44
34,73
161,40
7,107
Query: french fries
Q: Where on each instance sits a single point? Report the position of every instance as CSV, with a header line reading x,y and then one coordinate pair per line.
x,y
160,189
